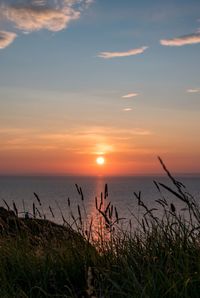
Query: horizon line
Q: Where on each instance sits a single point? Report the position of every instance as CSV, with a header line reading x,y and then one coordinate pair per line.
x,y
97,175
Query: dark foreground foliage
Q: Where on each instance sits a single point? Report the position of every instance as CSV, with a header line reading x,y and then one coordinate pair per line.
x,y
159,258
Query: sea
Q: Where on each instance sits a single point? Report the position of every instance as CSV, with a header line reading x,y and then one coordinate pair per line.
x,y
56,193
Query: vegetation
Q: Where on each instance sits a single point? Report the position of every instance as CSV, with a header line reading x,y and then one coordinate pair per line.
x,y
159,258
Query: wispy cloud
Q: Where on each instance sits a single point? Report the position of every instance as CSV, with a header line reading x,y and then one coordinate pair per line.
x,y
132,52
193,38
196,90
129,95
106,138
127,109
6,38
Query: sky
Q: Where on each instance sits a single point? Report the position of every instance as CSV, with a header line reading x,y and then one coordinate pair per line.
x,y
81,79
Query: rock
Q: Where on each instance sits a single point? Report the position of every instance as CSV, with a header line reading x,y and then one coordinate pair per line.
x,y
38,230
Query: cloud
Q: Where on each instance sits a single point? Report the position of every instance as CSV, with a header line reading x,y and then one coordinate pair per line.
x,y
6,38
35,15
193,90
77,140
193,38
37,18
108,55
129,95
127,109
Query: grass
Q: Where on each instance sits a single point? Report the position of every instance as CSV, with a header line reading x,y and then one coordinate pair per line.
x,y
161,258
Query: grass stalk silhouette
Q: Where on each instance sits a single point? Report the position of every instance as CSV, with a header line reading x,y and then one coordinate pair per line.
x,y
159,258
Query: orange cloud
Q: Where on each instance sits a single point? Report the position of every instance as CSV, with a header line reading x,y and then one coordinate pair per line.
x,y
73,150
35,15
108,55
6,38
97,139
34,18
193,38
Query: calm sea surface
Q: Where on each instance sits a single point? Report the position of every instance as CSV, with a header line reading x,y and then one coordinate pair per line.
x,y
55,191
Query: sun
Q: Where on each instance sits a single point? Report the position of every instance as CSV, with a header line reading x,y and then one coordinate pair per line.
x,y
100,160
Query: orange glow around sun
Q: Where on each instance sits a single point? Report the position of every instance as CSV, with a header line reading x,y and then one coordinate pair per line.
x,y
100,160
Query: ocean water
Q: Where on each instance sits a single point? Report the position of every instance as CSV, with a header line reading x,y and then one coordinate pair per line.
x,y
55,191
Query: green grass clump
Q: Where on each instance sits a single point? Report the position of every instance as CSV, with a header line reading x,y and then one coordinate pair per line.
x,y
159,258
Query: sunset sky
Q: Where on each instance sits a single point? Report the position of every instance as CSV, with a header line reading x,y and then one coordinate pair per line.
x,y
115,78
